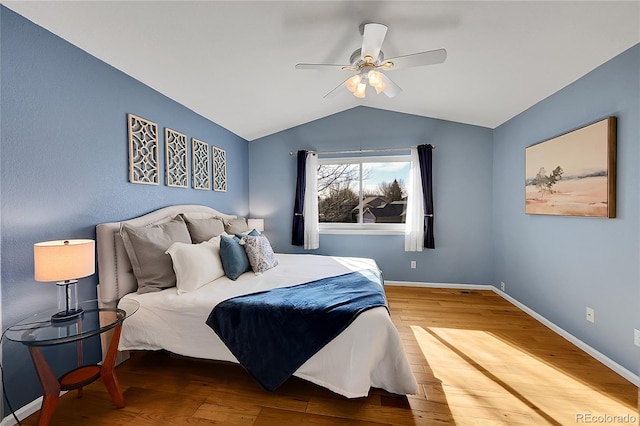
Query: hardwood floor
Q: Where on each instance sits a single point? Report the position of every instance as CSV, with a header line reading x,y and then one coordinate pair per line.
x,y
478,360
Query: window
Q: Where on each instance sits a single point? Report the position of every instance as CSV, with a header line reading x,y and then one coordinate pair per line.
x,y
363,194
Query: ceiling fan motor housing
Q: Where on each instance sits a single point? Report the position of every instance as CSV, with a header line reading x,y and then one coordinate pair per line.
x,y
356,61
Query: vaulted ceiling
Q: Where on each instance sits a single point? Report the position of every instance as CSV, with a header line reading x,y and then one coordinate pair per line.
x,y
233,62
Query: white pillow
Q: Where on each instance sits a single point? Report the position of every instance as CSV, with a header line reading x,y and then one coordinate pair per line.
x,y
196,264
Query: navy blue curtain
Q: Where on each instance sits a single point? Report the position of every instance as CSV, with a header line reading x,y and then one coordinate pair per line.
x,y
424,156
297,234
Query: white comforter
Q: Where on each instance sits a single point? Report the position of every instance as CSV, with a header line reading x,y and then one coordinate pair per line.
x,y
367,354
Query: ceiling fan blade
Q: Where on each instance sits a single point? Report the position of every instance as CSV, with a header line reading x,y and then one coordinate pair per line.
x,y
319,66
372,39
335,89
431,57
392,89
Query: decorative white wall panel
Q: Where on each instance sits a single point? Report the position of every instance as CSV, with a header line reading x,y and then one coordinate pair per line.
x,y
176,168
143,151
200,159
219,169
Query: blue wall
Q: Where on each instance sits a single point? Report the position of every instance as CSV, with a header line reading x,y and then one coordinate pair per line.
x,y
64,165
462,191
560,265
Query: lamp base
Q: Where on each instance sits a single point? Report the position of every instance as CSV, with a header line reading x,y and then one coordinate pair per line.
x,y
67,302
66,315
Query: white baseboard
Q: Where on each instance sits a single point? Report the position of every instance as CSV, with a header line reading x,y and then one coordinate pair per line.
x,y
25,411
627,374
439,285
22,413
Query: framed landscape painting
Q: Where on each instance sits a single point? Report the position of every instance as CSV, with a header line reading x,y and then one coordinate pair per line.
x,y
573,174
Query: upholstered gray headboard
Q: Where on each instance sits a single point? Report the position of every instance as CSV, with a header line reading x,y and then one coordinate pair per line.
x,y
114,268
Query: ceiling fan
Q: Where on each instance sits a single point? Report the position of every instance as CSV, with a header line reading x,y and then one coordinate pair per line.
x,y
369,64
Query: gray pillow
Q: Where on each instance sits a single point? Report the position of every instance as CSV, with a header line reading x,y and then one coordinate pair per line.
x,y
204,229
236,226
146,247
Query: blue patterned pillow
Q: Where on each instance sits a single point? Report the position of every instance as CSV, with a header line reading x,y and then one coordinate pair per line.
x,y
260,253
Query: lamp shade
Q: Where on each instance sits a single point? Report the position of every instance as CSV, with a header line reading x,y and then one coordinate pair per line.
x,y
352,82
64,260
257,224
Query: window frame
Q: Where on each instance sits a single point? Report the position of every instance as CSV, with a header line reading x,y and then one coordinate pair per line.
x,y
363,228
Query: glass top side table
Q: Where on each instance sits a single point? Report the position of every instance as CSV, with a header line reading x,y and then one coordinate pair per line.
x,y
97,318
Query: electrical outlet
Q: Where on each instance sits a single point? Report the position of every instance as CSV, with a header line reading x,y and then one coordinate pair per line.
x,y
591,315
502,285
636,337
413,264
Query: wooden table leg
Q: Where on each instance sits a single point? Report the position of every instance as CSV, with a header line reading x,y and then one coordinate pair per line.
x,y
49,383
108,372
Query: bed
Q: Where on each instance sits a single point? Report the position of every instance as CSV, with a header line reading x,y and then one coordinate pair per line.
x,y
367,353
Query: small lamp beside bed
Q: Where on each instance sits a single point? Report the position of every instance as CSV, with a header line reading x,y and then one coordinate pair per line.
x,y
64,262
257,224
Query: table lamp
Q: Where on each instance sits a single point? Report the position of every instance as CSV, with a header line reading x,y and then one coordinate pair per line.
x,y
64,262
257,224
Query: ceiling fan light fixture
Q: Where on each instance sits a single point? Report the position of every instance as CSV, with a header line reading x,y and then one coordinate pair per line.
x,y
380,87
375,77
376,81
353,82
368,63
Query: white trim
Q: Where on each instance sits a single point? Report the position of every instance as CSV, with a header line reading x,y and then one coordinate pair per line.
x,y
627,374
599,356
23,412
439,285
362,228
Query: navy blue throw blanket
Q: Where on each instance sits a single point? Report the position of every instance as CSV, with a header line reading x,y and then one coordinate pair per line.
x,y
274,332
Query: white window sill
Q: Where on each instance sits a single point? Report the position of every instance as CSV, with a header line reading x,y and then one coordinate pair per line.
x,y
361,230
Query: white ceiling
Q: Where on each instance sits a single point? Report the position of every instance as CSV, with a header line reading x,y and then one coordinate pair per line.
x,y
233,61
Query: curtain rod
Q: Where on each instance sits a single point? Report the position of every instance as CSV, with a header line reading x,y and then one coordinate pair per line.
x,y
358,151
